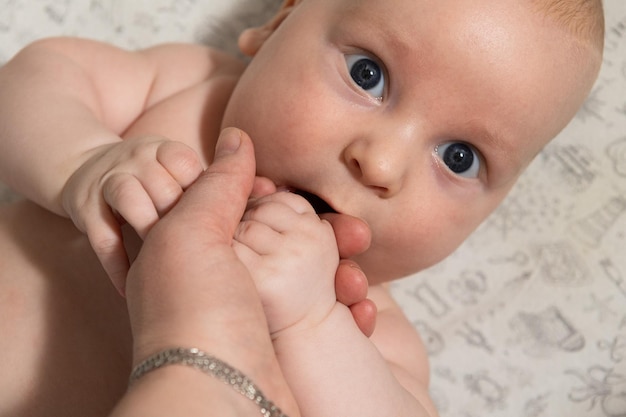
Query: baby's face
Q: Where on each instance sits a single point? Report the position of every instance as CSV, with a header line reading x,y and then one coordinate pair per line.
x,y
416,116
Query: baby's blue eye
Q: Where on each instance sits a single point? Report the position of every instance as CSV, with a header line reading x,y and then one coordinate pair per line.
x,y
460,158
367,74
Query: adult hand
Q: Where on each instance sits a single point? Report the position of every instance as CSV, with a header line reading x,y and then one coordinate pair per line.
x,y
353,237
188,288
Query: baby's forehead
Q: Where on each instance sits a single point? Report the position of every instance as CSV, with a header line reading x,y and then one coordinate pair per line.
x,y
410,21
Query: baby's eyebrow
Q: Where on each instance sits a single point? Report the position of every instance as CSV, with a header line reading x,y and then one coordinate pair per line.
x,y
495,140
379,32
504,160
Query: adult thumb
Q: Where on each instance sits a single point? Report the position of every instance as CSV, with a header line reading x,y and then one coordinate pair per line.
x,y
218,198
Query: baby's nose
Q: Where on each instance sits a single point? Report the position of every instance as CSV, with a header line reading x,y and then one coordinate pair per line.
x,y
380,166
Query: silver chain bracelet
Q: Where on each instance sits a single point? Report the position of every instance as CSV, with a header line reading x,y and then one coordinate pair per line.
x,y
210,365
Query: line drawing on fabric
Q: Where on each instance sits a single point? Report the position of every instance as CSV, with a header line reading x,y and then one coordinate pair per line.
x,y
535,407
616,151
614,274
482,385
601,306
561,265
545,332
7,17
474,337
615,35
431,300
178,7
445,374
621,109
592,228
602,387
615,347
146,22
469,288
574,165
433,341
519,258
106,12
593,107
57,10
509,216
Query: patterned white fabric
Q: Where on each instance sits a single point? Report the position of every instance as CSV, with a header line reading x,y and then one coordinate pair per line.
x,y
528,317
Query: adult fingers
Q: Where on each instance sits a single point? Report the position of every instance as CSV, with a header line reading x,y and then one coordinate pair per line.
x,y
351,288
353,234
350,283
364,315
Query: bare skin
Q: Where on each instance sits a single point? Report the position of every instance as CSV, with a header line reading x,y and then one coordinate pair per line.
x,y
413,203
83,333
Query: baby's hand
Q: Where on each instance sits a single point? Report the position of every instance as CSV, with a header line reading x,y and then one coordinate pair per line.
x,y
134,181
292,256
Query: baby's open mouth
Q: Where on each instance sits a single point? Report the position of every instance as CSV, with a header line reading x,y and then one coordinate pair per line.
x,y
318,204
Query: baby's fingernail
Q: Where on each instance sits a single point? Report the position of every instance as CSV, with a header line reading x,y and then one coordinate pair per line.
x,y
228,142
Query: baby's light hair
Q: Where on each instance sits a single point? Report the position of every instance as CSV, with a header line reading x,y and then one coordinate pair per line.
x,y
582,18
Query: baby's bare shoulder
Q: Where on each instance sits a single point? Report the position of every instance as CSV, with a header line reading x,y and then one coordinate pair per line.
x,y
397,339
401,346
189,96
183,65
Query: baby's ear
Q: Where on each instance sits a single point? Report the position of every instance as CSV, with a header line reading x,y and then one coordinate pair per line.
x,y
251,39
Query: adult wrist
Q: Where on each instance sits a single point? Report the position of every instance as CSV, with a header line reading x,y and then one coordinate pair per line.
x,y
213,367
249,351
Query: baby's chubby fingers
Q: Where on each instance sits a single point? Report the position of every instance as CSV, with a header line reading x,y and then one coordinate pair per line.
x,y
162,170
295,202
178,167
281,211
181,161
262,187
105,237
267,227
253,238
126,196
161,187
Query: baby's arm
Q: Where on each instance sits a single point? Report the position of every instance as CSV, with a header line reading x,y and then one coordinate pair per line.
x,y
333,369
64,106
62,98
331,366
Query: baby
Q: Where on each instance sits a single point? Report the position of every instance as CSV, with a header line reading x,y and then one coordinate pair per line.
x,y
414,116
